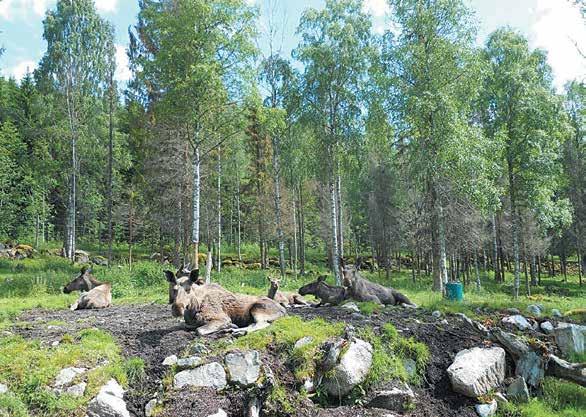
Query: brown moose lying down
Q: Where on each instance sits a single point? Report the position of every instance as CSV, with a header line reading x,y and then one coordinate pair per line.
x,y
210,308
286,299
95,294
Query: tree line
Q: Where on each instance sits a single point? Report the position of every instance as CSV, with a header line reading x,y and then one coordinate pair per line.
x,y
413,145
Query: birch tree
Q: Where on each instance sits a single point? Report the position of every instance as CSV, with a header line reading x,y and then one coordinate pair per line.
x,y
79,53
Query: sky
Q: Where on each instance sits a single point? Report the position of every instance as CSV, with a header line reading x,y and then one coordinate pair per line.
x,y
553,25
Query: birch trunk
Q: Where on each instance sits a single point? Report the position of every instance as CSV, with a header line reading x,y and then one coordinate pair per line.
x,y
219,207
110,167
301,221
238,221
280,237
196,207
476,271
440,272
334,224
339,213
497,277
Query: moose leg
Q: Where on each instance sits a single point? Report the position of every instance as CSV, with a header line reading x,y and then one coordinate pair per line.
x,y
213,326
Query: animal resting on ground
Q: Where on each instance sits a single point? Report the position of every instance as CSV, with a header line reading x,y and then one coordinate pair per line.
x,y
327,294
210,308
361,289
286,299
95,294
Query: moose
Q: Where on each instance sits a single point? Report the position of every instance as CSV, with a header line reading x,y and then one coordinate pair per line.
x,y
327,294
94,294
361,289
286,299
210,308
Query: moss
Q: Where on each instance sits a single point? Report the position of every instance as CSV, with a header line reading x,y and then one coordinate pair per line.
x,y
369,308
280,402
31,368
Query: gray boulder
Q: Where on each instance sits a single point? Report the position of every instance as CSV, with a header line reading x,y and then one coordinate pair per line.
x,y
436,314
352,369
398,397
82,257
556,313
547,327
476,371
210,375
243,367
486,410
535,310
518,390
570,338
518,320
191,362
351,306
3,388
109,402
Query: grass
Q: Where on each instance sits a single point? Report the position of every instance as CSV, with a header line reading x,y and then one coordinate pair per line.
x,y
559,399
29,368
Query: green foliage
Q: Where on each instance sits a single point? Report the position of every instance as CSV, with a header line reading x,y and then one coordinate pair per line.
x,y
369,307
134,370
30,367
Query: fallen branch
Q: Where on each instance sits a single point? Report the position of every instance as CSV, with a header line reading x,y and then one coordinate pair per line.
x,y
575,372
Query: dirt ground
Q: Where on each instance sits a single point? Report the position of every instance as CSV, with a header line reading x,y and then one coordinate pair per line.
x,y
149,332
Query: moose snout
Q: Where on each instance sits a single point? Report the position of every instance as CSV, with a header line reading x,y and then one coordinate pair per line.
x,y
177,309
66,290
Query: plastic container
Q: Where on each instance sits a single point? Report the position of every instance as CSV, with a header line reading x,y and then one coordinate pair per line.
x,y
455,291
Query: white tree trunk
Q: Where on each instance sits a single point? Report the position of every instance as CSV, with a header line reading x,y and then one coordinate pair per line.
x,y
476,271
339,213
238,221
196,207
278,217
219,207
334,223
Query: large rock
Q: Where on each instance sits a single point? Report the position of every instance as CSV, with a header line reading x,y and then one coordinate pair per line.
x,y
486,410
243,367
109,402
398,397
518,390
66,376
351,370
547,327
570,338
209,375
518,320
476,371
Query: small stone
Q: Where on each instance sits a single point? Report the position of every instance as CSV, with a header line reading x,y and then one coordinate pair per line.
x,y
308,385
67,375
351,306
190,362
170,360
76,390
410,366
547,327
535,310
210,375
399,397
486,410
500,398
55,343
556,313
3,388
444,322
198,349
149,408
518,390
243,367
220,413
517,320
304,341
109,402
436,314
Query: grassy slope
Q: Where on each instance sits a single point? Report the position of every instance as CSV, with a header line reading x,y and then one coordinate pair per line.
x,y
37,282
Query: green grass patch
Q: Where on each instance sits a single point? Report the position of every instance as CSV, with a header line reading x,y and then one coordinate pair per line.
x,y
30,368
368,308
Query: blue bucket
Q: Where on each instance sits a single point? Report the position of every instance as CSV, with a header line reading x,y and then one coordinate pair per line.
x,y
455,291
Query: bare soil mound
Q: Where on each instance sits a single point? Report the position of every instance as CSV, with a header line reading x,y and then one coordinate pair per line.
x,y
149,332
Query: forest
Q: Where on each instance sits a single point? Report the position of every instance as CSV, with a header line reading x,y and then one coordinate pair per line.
x,y
420,154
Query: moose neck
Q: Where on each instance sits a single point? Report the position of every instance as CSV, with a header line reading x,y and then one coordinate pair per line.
x,y
273,291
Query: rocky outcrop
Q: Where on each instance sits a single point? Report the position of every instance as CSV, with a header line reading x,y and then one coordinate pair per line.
x,y
109,402
476,371
243,367
209,375
570,338
351,370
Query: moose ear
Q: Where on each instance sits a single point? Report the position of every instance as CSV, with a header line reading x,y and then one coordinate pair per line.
x,y
194,275
170,277
358,263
